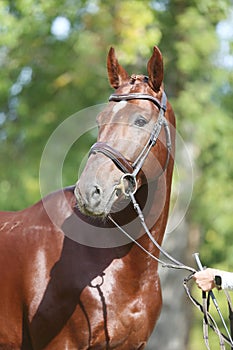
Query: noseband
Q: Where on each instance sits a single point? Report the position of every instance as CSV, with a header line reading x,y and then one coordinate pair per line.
x,y
129,169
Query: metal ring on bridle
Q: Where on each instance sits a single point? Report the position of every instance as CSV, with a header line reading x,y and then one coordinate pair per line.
x,y
127,184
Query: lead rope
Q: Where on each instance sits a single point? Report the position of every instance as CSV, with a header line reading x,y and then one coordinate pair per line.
x,y
208,320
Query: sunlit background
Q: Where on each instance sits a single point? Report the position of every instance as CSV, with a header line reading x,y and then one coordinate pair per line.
x,y
53,64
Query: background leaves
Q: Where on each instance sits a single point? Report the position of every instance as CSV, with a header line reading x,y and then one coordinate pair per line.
x,y
45,77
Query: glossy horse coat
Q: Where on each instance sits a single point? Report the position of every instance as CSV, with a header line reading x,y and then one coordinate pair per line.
x,y
58,293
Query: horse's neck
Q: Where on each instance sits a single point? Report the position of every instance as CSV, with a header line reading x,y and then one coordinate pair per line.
x,y
161,208
156,216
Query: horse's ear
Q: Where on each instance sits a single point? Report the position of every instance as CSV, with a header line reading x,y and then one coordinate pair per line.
x,y
116,73
155,69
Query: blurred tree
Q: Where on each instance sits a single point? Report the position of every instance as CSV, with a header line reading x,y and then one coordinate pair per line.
x,y
45,77
53,64
52,57
196,81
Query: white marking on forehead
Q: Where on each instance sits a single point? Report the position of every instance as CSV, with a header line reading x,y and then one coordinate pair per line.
x,y
119,106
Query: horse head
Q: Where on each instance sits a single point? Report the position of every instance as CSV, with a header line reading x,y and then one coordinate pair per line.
x,y
134,138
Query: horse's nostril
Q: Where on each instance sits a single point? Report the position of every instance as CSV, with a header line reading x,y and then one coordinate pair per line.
x,y
96,192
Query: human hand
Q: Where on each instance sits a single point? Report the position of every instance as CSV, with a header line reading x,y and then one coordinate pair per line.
x,y
205,279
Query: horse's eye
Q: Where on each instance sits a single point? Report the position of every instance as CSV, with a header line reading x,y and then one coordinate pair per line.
x,y
140,121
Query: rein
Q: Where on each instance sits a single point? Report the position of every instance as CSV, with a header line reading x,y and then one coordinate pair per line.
x,y
208,320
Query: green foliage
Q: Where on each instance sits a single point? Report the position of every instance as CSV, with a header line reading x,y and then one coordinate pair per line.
x,y
45,78
65,78
202,93
133,22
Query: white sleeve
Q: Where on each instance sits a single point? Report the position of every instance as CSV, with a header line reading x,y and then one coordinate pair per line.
x,y
227,280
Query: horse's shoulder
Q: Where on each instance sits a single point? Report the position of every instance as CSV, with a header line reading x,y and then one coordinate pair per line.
x,y
53,209
48,213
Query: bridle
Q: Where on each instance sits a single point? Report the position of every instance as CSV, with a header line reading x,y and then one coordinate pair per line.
x,y
129,168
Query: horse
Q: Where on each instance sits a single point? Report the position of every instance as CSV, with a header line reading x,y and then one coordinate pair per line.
x,y
70,279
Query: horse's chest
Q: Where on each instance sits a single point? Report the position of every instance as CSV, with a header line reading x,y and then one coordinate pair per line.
x,y
113,318
114,311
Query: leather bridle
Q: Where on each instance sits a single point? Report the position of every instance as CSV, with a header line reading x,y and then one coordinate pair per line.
x,y
129,168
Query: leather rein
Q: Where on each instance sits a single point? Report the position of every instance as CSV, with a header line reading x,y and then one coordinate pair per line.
x,y
130,171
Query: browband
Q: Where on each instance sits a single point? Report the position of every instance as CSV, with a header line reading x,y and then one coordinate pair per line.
x,y
135,96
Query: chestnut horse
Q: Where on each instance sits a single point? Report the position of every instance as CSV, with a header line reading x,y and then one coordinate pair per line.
x,y
69,278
